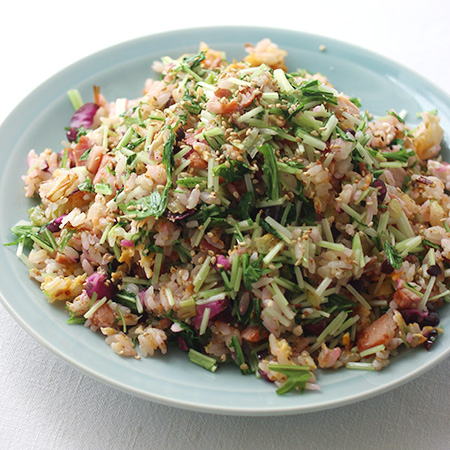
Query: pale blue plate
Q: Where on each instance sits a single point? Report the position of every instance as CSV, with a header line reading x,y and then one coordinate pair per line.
x,y
39,121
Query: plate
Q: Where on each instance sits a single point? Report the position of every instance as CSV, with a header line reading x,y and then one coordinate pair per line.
x,y
39,121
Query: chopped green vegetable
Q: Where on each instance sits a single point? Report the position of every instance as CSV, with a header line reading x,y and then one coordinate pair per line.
x,y
270,169
75,99
86,186
231,170
395,260
103,188
202,360
298,376
85,155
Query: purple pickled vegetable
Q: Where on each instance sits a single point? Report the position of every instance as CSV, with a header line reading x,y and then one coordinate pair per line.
x,y
413,315
141,295
386,267
182,344
424,319
271,211
54,225
215,307
98,282
350,130
225,316
126,243
223,261
431,339
72,134
358,285
382,190
434,270
315,329
264,376
83,117
180,134
334,231
431,320
262,354
175,217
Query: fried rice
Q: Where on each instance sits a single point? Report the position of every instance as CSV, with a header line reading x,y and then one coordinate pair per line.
x,y
247,215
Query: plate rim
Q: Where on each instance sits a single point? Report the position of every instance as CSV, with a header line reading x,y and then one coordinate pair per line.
x,y
198,406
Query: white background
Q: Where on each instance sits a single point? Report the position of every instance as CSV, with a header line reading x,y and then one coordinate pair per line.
x,y
46,404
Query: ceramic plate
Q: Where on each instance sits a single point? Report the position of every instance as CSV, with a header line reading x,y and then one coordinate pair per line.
x,y
39,121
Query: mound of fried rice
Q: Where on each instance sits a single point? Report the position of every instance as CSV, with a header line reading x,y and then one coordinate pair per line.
x,y
248,215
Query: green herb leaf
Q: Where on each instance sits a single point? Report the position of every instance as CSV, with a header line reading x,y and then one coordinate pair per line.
x,y
156,203
191,182
191,104
243,208
154,248
64,240
393,113
127,299
103,188
167,156
395,260
80,132
308,212
356,101
270,170
430,244
152,205
232,170
344,135
86,186
74,319
252,270
85,155
194,61
339,303
401,155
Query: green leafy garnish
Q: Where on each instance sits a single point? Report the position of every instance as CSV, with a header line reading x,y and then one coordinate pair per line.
x,y
64,238
103,188
85,155
243,208
393,113
191,104
430,244
308,212
270,170
127,299
337,302
74,319
252,270
298,376
395,260
86,186
401,155
152,205
156,203
202,360
191,182
239,354
343,135
231,170
356,101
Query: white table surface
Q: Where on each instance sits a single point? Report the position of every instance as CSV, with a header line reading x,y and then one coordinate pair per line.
x,y
47,404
